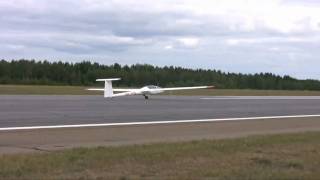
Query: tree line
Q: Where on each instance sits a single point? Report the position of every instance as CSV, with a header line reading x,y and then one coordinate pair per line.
x,y
85,73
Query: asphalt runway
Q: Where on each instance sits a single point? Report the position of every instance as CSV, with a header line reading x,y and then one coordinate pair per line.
x,y
18,110
22,111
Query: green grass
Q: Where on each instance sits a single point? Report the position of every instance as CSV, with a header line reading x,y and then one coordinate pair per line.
x,y
45,90
286,156
80,90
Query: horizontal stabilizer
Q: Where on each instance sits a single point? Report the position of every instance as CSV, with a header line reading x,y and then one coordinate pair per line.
x,y
110,79
95,89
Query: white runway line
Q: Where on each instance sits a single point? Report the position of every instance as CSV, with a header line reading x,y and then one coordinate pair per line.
x,y
262,98
154,122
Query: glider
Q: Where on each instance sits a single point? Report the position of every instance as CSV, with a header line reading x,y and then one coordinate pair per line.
x,y
145,91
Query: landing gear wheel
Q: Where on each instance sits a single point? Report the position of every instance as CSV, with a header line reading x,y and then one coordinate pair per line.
x,y
146,97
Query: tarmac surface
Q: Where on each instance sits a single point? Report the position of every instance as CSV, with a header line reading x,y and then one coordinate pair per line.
x,y
17,111
60,110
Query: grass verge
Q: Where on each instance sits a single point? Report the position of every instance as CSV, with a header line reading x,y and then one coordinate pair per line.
x,y
45,90
80,90
286,156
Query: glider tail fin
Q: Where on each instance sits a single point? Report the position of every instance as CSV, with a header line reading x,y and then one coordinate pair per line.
x,y
108,91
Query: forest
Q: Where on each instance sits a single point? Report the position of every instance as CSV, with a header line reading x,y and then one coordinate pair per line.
x,y
84,73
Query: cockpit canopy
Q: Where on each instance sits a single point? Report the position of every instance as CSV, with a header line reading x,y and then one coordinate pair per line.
x,y
152,87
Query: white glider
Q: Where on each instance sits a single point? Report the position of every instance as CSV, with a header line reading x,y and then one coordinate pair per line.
x,y
145,91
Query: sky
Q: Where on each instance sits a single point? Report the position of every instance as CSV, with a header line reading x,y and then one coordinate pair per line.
x,y
242,36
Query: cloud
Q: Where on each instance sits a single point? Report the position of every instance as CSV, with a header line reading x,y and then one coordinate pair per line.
x,y
189,42
275,40
241,36
183,43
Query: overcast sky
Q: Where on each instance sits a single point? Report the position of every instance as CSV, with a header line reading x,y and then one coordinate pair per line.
x,y
247,36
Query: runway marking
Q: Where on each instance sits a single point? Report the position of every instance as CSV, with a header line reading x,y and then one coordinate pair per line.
x,y
154,122
262,98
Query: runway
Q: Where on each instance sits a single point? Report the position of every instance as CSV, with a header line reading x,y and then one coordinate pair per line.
x,y
20,111
207,117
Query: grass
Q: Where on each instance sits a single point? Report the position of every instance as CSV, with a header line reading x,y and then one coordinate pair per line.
x,y
80,90
286,156
45,90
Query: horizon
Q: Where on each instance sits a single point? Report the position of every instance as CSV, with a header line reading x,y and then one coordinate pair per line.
x,y
157,66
